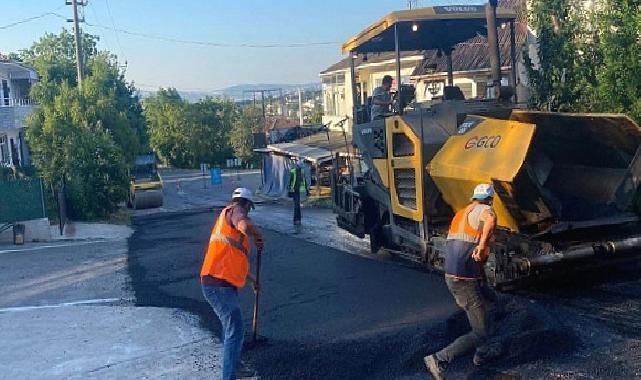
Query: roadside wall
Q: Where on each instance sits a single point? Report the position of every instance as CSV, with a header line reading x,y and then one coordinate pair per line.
x,y
35,230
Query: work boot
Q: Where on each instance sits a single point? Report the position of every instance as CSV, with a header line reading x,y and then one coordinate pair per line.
x,y
486,353
435,366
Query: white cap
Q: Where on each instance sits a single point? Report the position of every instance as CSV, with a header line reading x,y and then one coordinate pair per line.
x,y
242,192
483,191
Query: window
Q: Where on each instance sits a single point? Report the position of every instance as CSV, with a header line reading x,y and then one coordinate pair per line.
x,y
467,90
334,94
481,90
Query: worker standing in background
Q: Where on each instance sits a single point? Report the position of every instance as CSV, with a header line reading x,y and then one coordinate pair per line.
x,y
466,251
226,269
297,183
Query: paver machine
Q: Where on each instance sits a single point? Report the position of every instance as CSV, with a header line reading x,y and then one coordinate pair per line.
x,y
145,187
566,184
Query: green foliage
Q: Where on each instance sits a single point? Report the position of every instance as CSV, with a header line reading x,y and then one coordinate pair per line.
x,y
68,142
87,135
317,116
250,121
590,61
618,77
186,134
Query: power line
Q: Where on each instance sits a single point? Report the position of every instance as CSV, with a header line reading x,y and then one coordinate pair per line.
x,y
95,14
116,32
26,20
212,44
171,39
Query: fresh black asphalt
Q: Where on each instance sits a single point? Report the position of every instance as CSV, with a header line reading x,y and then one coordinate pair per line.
x,y
324,313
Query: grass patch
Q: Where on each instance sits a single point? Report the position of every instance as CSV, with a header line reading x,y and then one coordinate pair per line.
x,y
122,217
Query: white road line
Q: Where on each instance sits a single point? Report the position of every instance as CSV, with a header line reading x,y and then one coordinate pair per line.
x,y
65,304
53,246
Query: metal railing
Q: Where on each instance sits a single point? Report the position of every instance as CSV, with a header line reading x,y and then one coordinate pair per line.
x,y
12,102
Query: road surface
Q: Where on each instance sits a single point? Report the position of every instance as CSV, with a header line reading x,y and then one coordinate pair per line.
x,y
330,310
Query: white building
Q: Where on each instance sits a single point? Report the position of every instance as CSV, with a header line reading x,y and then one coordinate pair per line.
x,y
16,79
427,71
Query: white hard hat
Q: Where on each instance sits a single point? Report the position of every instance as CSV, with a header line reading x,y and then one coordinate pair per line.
x,y
483,191
242,192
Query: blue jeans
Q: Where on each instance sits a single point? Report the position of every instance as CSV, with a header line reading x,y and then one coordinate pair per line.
x,y
224,301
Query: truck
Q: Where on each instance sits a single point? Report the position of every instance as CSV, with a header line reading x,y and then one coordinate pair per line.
x,y
567,184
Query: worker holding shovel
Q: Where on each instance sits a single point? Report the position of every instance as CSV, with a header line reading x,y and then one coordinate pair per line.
x,y
226,269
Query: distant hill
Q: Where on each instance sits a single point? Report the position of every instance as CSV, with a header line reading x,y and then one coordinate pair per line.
x,y
240,91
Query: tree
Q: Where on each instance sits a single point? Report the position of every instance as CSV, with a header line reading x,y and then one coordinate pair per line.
x,y
165,116
187,134
555,85
250,121
618,74
85,135
67,143
590,59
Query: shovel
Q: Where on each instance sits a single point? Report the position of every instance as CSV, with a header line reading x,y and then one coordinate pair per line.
x,y
259,254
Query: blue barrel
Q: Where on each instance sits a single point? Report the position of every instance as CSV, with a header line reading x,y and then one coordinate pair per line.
x,y
216,176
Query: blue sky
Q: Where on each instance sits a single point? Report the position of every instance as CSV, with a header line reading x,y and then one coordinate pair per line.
x,y
153,63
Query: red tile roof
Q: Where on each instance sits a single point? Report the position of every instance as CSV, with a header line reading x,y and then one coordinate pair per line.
x,y
280,123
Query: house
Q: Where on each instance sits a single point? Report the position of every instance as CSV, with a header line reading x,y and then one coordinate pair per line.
x,y
426,70
16,79
471,62
278,128
471,66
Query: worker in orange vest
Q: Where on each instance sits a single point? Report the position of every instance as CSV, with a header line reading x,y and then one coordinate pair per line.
x,y
226,269
467,249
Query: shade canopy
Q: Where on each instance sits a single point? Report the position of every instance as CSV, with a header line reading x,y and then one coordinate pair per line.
x,y
425,29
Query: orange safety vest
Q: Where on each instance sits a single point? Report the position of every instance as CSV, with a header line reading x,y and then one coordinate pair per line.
x,y
461,229
461,240
226,257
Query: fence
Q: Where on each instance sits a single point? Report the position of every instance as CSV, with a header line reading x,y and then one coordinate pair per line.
x,y
21,199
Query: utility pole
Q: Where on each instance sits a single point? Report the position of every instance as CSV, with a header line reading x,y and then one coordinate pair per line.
x,y
300,106
76,31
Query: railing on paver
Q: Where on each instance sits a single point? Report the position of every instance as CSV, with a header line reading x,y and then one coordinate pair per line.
x,y
21,199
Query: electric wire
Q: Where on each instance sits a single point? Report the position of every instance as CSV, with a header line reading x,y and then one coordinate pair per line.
x,y
29,19
214,44
176,40
95,14
122,52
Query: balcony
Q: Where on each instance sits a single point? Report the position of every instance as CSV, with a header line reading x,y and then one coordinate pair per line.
x,y
13,112
11,102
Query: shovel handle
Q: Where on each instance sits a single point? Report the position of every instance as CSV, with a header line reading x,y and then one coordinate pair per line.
x,y
256,293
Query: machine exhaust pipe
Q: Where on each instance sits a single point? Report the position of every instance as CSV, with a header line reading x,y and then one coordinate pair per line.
x,y
615,247
493,44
